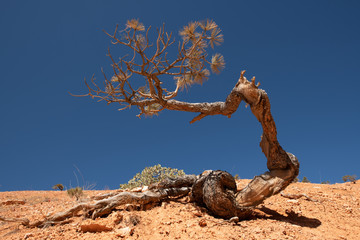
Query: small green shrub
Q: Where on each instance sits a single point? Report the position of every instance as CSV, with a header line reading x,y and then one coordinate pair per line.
x,y
350,178
58,186
75,192
325,182
152,175
305,180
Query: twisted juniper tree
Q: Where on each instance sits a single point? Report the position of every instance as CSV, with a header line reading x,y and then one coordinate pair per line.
x,y
138,80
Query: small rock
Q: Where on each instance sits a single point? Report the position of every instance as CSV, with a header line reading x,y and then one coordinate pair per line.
x,y
197,214
294,201
94,227
123,232
202,223
234,219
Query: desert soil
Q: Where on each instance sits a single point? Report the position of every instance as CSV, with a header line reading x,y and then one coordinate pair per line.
x,y
335,214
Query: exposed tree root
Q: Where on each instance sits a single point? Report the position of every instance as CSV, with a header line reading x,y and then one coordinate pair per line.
x,y
23,221
104,206
297,196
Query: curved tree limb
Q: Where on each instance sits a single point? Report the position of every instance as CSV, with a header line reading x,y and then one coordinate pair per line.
x,y
189,68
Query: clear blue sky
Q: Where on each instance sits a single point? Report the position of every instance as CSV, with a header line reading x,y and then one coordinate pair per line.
x,y
306,54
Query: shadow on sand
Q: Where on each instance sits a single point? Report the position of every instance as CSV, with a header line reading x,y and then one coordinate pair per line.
x,y
291,217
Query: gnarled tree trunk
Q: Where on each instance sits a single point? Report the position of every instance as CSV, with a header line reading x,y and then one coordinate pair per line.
x,y
216,190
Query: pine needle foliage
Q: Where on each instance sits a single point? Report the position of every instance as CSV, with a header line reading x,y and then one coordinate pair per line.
x,y
152,175
147,63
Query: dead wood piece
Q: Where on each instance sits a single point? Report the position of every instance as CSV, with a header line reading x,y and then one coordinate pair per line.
x,y
219,195
216,190
23,221
178,182
104,206
106,195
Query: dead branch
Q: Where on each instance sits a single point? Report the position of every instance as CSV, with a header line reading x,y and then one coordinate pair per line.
x,y
105,206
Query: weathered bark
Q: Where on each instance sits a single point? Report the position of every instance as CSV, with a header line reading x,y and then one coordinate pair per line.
x,y
214,189
105,206
283,167
179,182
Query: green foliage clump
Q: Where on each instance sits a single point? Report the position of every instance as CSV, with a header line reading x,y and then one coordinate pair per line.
x,y
58,186
305,180
152,175
351,178
75,192
325,182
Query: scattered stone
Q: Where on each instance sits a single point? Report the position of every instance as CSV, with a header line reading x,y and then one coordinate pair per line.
x,y
94,227
202,223
123,232
234,220
294,201
197,214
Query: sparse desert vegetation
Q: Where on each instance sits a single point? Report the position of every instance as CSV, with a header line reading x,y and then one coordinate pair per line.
x,y
152,175
58,186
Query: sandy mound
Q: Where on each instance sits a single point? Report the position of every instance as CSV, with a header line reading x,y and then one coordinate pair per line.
x,y
336,215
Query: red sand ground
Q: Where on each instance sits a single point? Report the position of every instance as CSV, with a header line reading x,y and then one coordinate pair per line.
x,y
335,216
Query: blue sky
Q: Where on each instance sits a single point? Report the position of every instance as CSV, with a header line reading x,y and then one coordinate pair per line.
x,y
304,53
